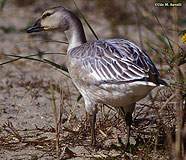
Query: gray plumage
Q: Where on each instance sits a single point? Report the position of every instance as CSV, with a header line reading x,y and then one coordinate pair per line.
x,y
115,72
115,61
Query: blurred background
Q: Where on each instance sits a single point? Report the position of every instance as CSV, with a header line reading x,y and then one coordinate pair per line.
x,y
132,20
24,85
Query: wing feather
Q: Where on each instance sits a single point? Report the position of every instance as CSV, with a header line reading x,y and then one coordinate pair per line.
x,y
114,60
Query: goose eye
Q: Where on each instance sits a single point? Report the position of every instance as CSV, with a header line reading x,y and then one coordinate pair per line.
x,y
47,15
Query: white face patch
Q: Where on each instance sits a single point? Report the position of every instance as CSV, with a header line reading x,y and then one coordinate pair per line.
x,y
52,21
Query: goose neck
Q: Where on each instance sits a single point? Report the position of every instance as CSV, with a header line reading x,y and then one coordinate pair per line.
x,y
75,35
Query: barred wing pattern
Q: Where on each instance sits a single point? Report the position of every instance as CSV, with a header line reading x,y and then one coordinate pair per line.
x,y
114,61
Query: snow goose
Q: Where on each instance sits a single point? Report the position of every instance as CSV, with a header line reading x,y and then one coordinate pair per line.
x,y
115,72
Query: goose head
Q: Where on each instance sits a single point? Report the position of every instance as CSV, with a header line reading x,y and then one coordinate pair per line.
x,y
53,19
62,19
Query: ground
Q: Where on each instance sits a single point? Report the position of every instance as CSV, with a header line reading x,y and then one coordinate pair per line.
x,y
27,126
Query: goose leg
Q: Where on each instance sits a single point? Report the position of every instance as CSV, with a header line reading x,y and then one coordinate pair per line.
x,y
128,119
92,119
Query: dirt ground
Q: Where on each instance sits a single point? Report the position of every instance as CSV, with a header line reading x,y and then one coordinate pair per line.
x,y
27,127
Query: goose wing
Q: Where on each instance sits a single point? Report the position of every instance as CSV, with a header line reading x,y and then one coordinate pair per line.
x,y
114,60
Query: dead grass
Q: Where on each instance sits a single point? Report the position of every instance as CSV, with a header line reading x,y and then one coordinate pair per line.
x,y
150,135
159,123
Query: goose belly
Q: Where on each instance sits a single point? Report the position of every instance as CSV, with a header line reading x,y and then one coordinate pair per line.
x,y
125,94
116,95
